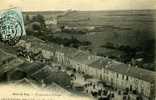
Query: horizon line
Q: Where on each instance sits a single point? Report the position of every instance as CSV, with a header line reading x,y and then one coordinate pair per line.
x,y
88,10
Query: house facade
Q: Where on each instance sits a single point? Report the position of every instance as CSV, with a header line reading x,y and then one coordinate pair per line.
x,y
116,74
123,76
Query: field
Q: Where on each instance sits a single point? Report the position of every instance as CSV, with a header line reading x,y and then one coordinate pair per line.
x,y
128,27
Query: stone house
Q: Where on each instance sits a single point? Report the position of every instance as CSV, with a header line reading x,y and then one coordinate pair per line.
x,y
116,74
124,76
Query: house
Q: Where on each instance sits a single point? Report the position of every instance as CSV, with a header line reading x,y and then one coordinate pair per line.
x,y
81,60
39,72
59,53
114,73
124,76
52,24
7,63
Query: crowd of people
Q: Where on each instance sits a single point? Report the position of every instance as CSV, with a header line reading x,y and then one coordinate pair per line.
x,y
103,92
99,91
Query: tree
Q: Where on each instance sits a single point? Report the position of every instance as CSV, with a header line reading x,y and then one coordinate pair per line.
x,y
36,26
39,18
108,45
27,19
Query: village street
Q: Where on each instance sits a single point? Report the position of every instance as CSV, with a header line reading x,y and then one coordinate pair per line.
x,y
93,87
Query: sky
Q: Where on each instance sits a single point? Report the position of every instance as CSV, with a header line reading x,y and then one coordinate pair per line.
x,y
44,5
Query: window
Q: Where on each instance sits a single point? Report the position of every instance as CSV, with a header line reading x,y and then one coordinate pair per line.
x,y
117,75
127,78
123,77
101,76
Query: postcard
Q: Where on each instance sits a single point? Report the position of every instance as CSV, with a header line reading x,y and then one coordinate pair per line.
x,y
77,50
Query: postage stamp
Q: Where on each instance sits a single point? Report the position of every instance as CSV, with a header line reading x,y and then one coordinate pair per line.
x,y
11,25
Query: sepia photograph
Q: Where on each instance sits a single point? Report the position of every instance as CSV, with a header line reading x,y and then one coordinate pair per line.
x,y
77,50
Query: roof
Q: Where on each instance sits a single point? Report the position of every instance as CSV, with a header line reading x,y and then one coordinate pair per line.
x,y
31,68
100,63
32,39
58,77
122,68
49,75
40,71
5,47
13,64
110,52
8,61
69,52
39,44
84,57
139,73
5,56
